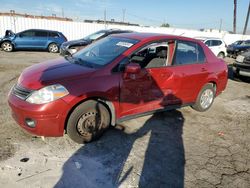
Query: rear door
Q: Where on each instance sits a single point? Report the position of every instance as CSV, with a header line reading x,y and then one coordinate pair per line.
x,y
190,64
40,39
216,46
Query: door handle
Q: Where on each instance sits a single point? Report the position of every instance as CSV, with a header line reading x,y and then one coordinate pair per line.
x,y
203,69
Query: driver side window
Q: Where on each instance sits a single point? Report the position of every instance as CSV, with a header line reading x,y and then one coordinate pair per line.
x,y
151,56
28,34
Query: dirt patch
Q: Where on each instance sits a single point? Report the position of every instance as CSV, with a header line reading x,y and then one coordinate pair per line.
x,y
7,150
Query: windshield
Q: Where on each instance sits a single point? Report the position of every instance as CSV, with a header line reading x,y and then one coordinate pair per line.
x,y
95,36
245,43
237,42
102,52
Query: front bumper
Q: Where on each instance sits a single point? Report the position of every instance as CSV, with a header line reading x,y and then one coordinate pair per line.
x,y
64,51
231,52
49,118
242,69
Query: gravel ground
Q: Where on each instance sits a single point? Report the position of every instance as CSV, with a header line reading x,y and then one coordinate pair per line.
x,y
179,148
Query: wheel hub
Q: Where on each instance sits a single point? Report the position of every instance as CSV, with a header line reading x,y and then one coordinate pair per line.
x,y
88,123
207,98
7,47
53,48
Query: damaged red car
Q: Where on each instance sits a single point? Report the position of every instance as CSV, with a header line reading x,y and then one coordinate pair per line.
x,y
115,79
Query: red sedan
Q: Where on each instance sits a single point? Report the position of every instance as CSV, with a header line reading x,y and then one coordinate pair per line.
x,y
117,78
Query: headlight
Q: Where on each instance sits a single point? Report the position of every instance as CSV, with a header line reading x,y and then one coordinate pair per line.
x,y
47,94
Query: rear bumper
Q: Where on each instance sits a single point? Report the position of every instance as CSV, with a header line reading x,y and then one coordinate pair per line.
x,y
49,118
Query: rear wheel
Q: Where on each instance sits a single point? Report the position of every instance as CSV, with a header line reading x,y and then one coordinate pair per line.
x,y
205,98
7,46
88,121
53,48
221,55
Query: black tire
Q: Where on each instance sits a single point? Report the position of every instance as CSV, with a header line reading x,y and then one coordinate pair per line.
x,y
236,75
88,121
53,48
7,46
199,104
221,55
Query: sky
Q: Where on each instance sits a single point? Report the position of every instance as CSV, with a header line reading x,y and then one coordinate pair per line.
x,y
193,14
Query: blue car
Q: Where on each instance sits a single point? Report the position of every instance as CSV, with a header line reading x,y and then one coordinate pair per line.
x,y
32,39
238,47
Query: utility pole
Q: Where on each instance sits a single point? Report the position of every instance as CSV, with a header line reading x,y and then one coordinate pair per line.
x,y
12,12
123,15
220,24
62,13
105,17
245,27
235,12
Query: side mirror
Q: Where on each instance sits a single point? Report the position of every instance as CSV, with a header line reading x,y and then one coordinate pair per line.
x,y
132,68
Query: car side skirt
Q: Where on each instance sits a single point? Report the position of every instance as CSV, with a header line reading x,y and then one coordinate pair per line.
x,y
167,108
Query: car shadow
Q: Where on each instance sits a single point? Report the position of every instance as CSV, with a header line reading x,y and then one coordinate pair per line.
x,y
113,161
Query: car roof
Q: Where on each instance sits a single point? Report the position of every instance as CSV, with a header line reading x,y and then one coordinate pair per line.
x,y
208,38
153,36
119,30
42,30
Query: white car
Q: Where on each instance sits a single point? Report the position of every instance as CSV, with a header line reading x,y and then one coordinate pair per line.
x,y
216,45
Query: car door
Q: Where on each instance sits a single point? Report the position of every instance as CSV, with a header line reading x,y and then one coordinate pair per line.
x,y
25,39
189,63
153,87
215,46
40,39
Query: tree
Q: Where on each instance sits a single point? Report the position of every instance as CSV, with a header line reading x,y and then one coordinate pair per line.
x,y
165,25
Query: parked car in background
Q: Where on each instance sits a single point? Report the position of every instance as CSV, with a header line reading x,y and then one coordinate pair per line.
x,y
238,42
216,45
71,47
114,79
236,48
241,67
32,39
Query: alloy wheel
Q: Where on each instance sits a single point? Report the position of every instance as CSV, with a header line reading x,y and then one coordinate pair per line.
x,y
7,47
206,98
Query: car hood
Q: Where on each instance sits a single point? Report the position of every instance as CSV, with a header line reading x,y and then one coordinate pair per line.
x,y
8,35
52,72
80,42
246,54
232,46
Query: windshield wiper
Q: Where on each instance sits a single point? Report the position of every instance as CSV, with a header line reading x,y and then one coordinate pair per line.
x,y
82,62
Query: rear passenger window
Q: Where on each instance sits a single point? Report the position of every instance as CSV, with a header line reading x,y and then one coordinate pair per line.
x,y
188,53
208,43
41,34
53,34
216,43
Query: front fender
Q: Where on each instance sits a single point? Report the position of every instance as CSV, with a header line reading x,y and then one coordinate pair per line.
x,y
112,106
8,40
